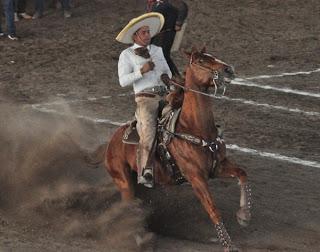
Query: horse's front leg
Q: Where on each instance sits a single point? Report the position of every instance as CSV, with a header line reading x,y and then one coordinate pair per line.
x,y
229,169
201,189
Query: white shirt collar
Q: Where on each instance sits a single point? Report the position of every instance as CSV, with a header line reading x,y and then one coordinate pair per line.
x,y
135,46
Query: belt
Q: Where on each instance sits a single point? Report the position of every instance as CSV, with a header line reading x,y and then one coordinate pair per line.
x,y
159,90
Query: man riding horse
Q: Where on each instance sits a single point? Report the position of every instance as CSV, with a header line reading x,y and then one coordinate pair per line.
x,y
143,65
192,146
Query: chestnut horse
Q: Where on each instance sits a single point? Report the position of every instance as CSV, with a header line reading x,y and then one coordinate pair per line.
x,y
194,160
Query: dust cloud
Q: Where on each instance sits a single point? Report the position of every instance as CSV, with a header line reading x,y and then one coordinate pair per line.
x,y
44,176
39,156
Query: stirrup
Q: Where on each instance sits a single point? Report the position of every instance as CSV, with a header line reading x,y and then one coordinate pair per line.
x,y
147,178
148,174
147,183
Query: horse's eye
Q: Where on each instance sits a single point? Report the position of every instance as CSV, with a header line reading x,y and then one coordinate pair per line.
x,y
201,60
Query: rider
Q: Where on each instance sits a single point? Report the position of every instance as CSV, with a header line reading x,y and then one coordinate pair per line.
x,y
143,65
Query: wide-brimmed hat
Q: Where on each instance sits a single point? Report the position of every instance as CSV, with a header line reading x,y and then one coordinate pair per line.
x,y
154,20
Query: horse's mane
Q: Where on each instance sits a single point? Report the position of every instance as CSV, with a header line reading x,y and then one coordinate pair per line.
x,y
175,98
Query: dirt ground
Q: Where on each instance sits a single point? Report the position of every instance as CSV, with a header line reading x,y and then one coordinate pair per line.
x,y
60,99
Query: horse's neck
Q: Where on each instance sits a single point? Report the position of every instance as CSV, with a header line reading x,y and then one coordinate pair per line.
x,y
196,114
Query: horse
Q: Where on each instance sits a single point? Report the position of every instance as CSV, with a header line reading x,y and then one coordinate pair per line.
x,y
195,147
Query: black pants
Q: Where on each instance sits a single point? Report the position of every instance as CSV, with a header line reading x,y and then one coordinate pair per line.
x,y
165,40
20,6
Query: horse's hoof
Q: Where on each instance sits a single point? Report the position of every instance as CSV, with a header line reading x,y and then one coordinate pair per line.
x,y
143,240
243,217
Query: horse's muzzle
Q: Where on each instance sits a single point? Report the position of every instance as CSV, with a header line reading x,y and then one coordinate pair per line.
x,y
228,74
224,77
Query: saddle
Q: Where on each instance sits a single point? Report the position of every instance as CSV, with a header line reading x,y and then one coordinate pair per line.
x,y
131,135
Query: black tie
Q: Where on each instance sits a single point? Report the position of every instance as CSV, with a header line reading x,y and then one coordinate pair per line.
x,y
143,52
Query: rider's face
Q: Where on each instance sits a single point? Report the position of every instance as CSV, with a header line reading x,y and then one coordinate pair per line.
x,y
142,36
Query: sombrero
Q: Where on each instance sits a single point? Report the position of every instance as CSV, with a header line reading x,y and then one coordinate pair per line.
x,y
154,20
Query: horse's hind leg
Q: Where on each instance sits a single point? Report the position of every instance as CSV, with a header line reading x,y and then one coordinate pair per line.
x,y
120,173
229,169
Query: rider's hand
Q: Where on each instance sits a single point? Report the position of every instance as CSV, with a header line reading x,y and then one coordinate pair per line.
x,y
165,79
148,66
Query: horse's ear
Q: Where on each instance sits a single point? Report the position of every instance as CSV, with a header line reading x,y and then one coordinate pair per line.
x,y
186,53
204,49
194,49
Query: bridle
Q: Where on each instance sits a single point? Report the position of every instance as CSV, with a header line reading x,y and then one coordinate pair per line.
x,y
215,73
190,89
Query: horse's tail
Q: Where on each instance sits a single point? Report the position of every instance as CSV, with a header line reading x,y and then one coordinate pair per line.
x,y
97,156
